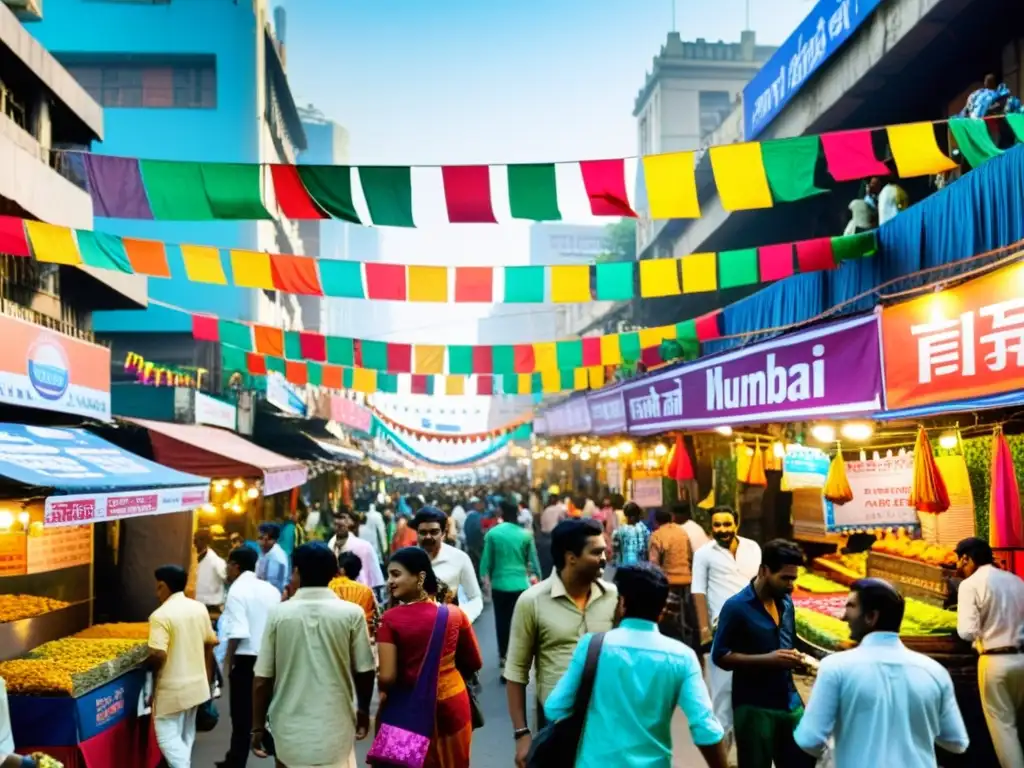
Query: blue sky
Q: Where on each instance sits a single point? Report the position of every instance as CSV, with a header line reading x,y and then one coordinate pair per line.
x,y
491,81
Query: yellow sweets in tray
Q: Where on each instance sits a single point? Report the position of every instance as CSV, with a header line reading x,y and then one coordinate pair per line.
x,y
18,607
45,761
124,630
71,666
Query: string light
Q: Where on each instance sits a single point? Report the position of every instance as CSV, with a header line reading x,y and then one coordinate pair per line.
x,y
253,493
660,450
725,431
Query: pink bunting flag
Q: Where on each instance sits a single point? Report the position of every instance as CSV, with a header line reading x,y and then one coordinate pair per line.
x,y
605,182
850,155
1005,525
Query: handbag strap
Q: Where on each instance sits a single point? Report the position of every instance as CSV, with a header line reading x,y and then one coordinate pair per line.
x,y
579,710
426,681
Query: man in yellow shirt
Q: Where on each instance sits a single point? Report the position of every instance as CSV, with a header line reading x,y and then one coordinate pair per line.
x,y
345,586
181,643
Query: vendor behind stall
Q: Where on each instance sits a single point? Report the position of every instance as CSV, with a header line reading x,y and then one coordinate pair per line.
x,y
990,614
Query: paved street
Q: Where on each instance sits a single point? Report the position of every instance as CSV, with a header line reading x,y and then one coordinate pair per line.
x,y
492,745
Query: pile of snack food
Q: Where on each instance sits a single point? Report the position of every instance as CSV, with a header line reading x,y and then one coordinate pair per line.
x,y
898,544
18,607
45,761
116,631
809,581
71,666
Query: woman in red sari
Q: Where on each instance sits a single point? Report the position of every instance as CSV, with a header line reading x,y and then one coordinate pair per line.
x,y
402,641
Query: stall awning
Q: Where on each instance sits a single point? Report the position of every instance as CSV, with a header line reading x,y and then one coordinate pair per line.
x,y
214,452
88,480
337,450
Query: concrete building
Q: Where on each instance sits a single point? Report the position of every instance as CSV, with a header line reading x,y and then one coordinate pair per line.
x,y
328,144
186,80
691,88
43,110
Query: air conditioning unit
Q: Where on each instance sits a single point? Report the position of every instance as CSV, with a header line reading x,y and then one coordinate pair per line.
x,y
26,10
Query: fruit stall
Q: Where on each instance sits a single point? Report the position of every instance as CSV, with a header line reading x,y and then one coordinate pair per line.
x,y
74,689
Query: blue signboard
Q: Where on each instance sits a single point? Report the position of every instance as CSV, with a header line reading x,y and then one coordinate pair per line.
x,y
819,36
74,460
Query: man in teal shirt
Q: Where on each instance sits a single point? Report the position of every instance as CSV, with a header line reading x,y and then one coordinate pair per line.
x,y
509,558
642,676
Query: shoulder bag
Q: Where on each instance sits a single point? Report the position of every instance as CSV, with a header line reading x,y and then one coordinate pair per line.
x,y
557,743
407,722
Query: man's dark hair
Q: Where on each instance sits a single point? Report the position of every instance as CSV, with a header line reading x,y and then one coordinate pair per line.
x,y
879,595
571,536
644,589
202,535
663,516
350,564
681,512
430,515
617,501
244,557
173,576
726,510
414,502
509,512
315,563
273,530
977,549
778,553
344,510
633,512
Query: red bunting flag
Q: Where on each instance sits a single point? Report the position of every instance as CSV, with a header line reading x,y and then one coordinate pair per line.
x,y
591,351
815,255
256,364
709,326
399,358
605,182
12,236
775,262
296,372
385,281
291,195
850,155
313,346
483,359
205,328
523,359
474,284
484,385
467,193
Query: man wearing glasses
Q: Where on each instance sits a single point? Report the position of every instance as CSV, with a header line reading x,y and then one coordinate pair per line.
x,y
551,617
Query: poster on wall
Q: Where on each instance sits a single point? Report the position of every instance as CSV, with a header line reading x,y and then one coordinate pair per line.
x,y
647,492
881,493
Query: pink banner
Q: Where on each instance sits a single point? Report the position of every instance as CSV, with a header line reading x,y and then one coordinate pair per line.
x,y
350,414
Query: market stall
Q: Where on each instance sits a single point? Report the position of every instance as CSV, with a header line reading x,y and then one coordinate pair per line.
x,y
73,697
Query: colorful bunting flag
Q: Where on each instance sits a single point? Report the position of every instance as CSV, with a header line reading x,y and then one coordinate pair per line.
x,y
850,155
605,182
474,284
103,250
330,188
570,283
659,277
385,281
116,187
916,151
147,257
671,184
52,244
292,197
203,264
615,281
700,273
974,140
234,190
791,165
467,193
775,261
815,255
524,285
533,192
251,269
738,268
740,176
388,193
427,284
296,274
12,237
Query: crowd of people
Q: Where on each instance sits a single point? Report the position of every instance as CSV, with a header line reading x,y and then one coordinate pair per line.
x,y
672,617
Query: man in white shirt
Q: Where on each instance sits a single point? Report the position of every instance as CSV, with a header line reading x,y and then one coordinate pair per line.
x,y
885,705
243,621
451,565
375,531
990,614
181,642
345,541
315,671
721,568
458,520
211,573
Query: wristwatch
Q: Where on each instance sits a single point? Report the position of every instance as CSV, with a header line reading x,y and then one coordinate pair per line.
x,y
520,732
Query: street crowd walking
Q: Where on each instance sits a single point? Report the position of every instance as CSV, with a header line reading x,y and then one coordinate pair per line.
x,y
688,622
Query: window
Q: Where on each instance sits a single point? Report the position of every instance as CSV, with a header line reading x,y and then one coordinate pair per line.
x,y
715,106
182,84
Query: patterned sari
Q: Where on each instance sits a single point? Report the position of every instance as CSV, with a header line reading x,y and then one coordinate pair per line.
x,y
408,628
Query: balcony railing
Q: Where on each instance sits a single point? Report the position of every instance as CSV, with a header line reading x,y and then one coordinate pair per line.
x,y
27,287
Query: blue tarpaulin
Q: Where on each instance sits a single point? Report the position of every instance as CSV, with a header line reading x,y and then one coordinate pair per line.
x,y
88,479
980,212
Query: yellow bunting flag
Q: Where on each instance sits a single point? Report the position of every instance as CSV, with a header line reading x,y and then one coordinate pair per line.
x,y
525,383
53,244
579,378
671,186
550,380
611,353
700,273
545,357
364,380
428,284
596,375
740,176
455,385
203,265
650,337
251,269
659,277
428,359
916,151
570,283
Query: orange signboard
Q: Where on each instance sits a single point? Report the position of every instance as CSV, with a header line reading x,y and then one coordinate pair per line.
x,y
965,342
44,369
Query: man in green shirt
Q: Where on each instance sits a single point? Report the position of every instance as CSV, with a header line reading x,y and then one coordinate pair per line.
x,y
509,558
